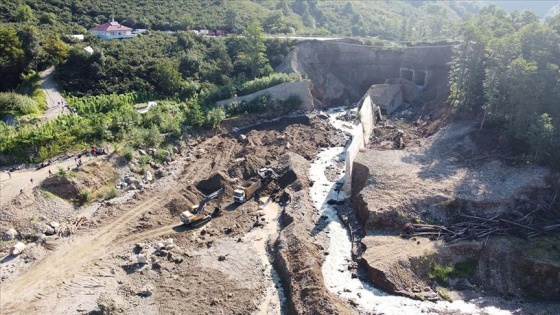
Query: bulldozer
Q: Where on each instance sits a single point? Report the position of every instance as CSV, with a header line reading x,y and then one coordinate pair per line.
x,y
195,217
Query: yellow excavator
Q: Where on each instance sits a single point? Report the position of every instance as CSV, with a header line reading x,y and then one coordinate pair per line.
x,y
195,217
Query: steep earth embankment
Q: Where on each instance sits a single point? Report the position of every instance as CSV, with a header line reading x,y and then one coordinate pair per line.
x,y
447,176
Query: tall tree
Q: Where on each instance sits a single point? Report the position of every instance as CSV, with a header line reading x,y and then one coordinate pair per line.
x,y
254,51
467,70
11,57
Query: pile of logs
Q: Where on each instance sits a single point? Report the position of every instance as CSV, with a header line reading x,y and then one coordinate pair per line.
x,y
543,219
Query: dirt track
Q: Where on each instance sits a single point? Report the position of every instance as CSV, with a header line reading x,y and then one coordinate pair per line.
x,y
150,216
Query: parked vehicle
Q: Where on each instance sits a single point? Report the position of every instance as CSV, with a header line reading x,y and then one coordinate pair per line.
x,y
246,190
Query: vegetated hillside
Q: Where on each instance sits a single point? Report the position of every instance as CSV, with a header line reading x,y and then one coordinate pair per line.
x,y
389,19
506,69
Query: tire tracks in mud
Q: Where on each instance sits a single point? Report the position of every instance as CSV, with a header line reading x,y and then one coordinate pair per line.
x,y
73,258
70,259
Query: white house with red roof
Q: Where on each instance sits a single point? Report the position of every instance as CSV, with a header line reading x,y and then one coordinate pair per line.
x,y
112,30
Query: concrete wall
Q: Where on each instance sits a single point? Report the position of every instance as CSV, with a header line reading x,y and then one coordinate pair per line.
x,y
342,72
280,92
360,137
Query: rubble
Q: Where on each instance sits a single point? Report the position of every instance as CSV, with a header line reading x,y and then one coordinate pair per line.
x,y
18,248
9,234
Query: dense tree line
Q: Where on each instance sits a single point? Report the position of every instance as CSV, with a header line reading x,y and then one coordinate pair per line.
x,y
390,19
507,68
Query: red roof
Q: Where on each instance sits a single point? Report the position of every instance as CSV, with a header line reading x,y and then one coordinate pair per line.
x,y
110,27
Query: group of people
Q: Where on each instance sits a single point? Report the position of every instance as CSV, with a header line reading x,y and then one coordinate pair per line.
x,y
78,159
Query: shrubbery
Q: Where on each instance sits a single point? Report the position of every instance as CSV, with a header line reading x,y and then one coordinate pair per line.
x,y
266,82
18,104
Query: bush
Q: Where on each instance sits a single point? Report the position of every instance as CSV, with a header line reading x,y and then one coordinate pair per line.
x,y
63,173
18,104
441,272
293,102
257,105
266,82
128,155
85,197
462,269
108,193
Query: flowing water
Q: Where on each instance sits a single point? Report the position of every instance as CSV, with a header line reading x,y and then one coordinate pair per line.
x,y
338,278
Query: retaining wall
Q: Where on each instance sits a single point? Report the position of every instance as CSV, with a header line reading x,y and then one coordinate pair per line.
x,y
360,137
280,92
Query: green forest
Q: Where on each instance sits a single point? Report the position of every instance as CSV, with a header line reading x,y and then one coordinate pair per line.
x,y
504,70
507,69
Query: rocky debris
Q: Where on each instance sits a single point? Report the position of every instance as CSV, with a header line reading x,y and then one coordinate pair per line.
x,y
148,176
146,291
160,173
142,259
409,89
49,230
18,248
323,115
9,234
108,306
168,243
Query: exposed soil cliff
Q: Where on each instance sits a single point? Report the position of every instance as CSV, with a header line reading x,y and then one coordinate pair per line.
x,y
342,72
437,180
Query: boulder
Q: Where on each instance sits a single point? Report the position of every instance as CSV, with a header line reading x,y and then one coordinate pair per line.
x,y
18,248
55,225
142,152
146,291
160,173
148,176
323,115
142,259
9,235
49,230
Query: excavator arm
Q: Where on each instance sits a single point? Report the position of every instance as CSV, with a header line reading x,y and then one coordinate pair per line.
x,y
214,195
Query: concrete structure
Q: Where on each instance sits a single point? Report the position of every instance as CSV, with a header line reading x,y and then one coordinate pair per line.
x,y
89,49
343,71
280,92
360,136
387,96
112,30
76,36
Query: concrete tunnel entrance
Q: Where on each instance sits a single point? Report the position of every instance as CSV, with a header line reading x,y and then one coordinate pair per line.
x,y
419,77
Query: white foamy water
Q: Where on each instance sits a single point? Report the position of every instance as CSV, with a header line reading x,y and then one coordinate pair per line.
x,y
338,279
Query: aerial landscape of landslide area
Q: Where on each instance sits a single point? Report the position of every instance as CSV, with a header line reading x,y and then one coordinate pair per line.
x,y
279,157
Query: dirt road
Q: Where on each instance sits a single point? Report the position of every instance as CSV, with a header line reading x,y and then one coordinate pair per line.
x,y
12,184
68,260
55,101
239,284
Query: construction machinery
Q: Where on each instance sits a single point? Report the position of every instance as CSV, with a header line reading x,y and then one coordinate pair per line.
x,y
248,189
195,217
